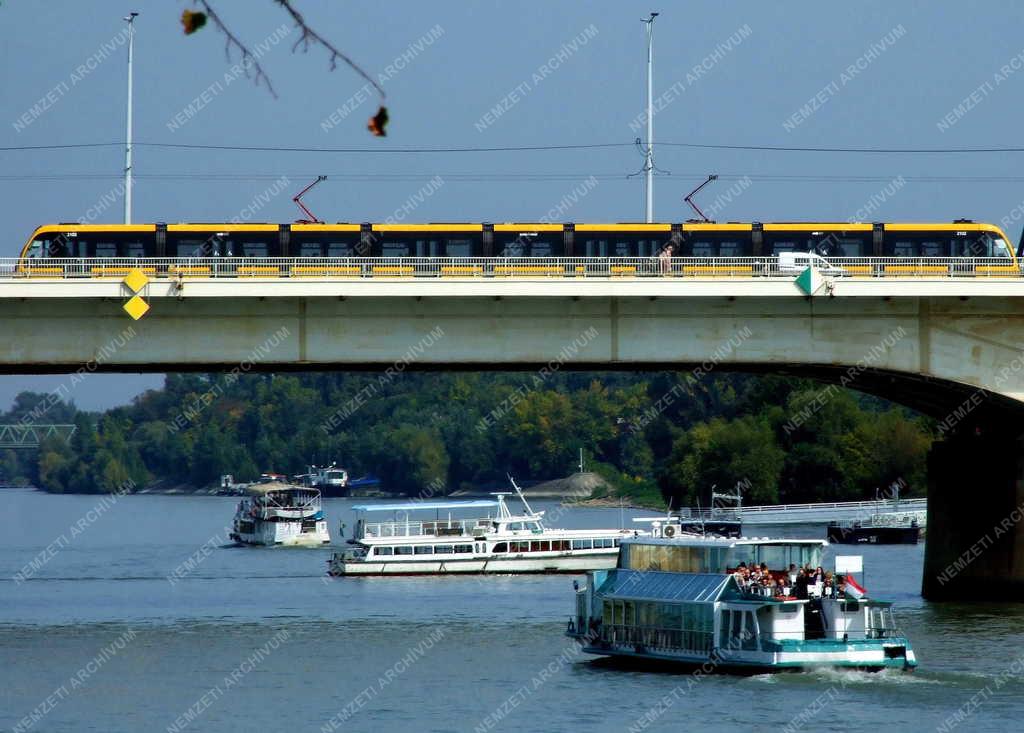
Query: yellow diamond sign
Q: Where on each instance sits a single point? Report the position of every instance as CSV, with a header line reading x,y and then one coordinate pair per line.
x,y
136,280
136,307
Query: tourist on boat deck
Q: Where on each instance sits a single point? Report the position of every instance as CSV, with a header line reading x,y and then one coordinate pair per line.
x,y
792,574
800,587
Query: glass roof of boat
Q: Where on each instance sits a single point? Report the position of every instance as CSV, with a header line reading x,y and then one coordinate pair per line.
x,y
423,505
652,585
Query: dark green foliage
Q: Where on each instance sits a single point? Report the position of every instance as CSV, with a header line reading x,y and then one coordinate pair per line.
x,y
655,436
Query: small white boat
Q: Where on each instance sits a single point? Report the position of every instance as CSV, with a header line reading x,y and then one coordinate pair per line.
x,y
688,601
500,542
280,515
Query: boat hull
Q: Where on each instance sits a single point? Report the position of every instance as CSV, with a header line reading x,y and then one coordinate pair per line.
x,y
284,534
476,565
867,655
873,535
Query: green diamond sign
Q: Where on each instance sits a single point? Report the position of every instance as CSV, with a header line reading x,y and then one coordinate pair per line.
x,y
809,281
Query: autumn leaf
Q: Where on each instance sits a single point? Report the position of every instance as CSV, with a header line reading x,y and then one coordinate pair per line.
x,y
378,123
192,21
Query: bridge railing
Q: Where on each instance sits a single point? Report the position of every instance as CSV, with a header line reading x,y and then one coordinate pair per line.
x,y
878,505
463,268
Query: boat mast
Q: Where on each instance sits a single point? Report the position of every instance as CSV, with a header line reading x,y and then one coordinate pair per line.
x,y
529,510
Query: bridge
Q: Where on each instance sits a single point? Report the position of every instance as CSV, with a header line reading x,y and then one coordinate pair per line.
x,y
31,435
941,336
815,513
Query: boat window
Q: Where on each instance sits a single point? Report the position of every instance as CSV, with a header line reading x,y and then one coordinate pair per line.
x,y
615,542
577,544
403,550
545,546
749,635
560,545
629,613
500,547
463,548
534,546
587,544
423,550
515,526
533,526
606,615
383,551
443,549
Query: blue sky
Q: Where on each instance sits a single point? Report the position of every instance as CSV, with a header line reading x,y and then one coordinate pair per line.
x,y
883,74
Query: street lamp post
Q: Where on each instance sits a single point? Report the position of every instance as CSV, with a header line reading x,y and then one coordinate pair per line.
x,y
130,18
649,157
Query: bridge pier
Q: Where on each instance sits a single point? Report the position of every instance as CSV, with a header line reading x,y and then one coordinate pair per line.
x,y
975,540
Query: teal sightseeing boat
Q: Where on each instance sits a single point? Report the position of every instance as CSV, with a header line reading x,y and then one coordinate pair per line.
x,y
692,601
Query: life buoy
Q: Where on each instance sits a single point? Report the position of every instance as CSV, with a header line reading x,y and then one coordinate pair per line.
x,y
669,531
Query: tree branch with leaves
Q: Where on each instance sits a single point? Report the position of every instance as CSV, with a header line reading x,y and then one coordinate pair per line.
x,y
194,20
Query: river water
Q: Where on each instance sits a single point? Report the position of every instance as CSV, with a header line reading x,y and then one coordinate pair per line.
x,y
98,639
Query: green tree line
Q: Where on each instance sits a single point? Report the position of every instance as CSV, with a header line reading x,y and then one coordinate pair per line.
x,y
657,437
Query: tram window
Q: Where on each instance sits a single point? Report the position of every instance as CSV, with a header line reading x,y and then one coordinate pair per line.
x,y
395,249
729,249
39,248
784,246
500,547
193,248
254,249
310,249
426,248
403,550
540,249
903,249
514,249
599,248
999,248
339,249
106,249
459,248
423,550
848,247
703,249
135,249
932,249
383,551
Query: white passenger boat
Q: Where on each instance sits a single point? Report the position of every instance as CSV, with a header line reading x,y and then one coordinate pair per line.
x,y
500,542
277,514
683,601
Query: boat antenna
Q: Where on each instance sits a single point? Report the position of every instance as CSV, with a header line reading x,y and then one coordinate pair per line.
x,y
519,491
297,198
688,198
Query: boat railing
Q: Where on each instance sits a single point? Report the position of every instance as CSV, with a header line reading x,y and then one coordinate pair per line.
x,y
878,505
434,528
693,640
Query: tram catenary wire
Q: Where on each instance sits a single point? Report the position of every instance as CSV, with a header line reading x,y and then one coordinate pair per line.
x,y
505,177
528,148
